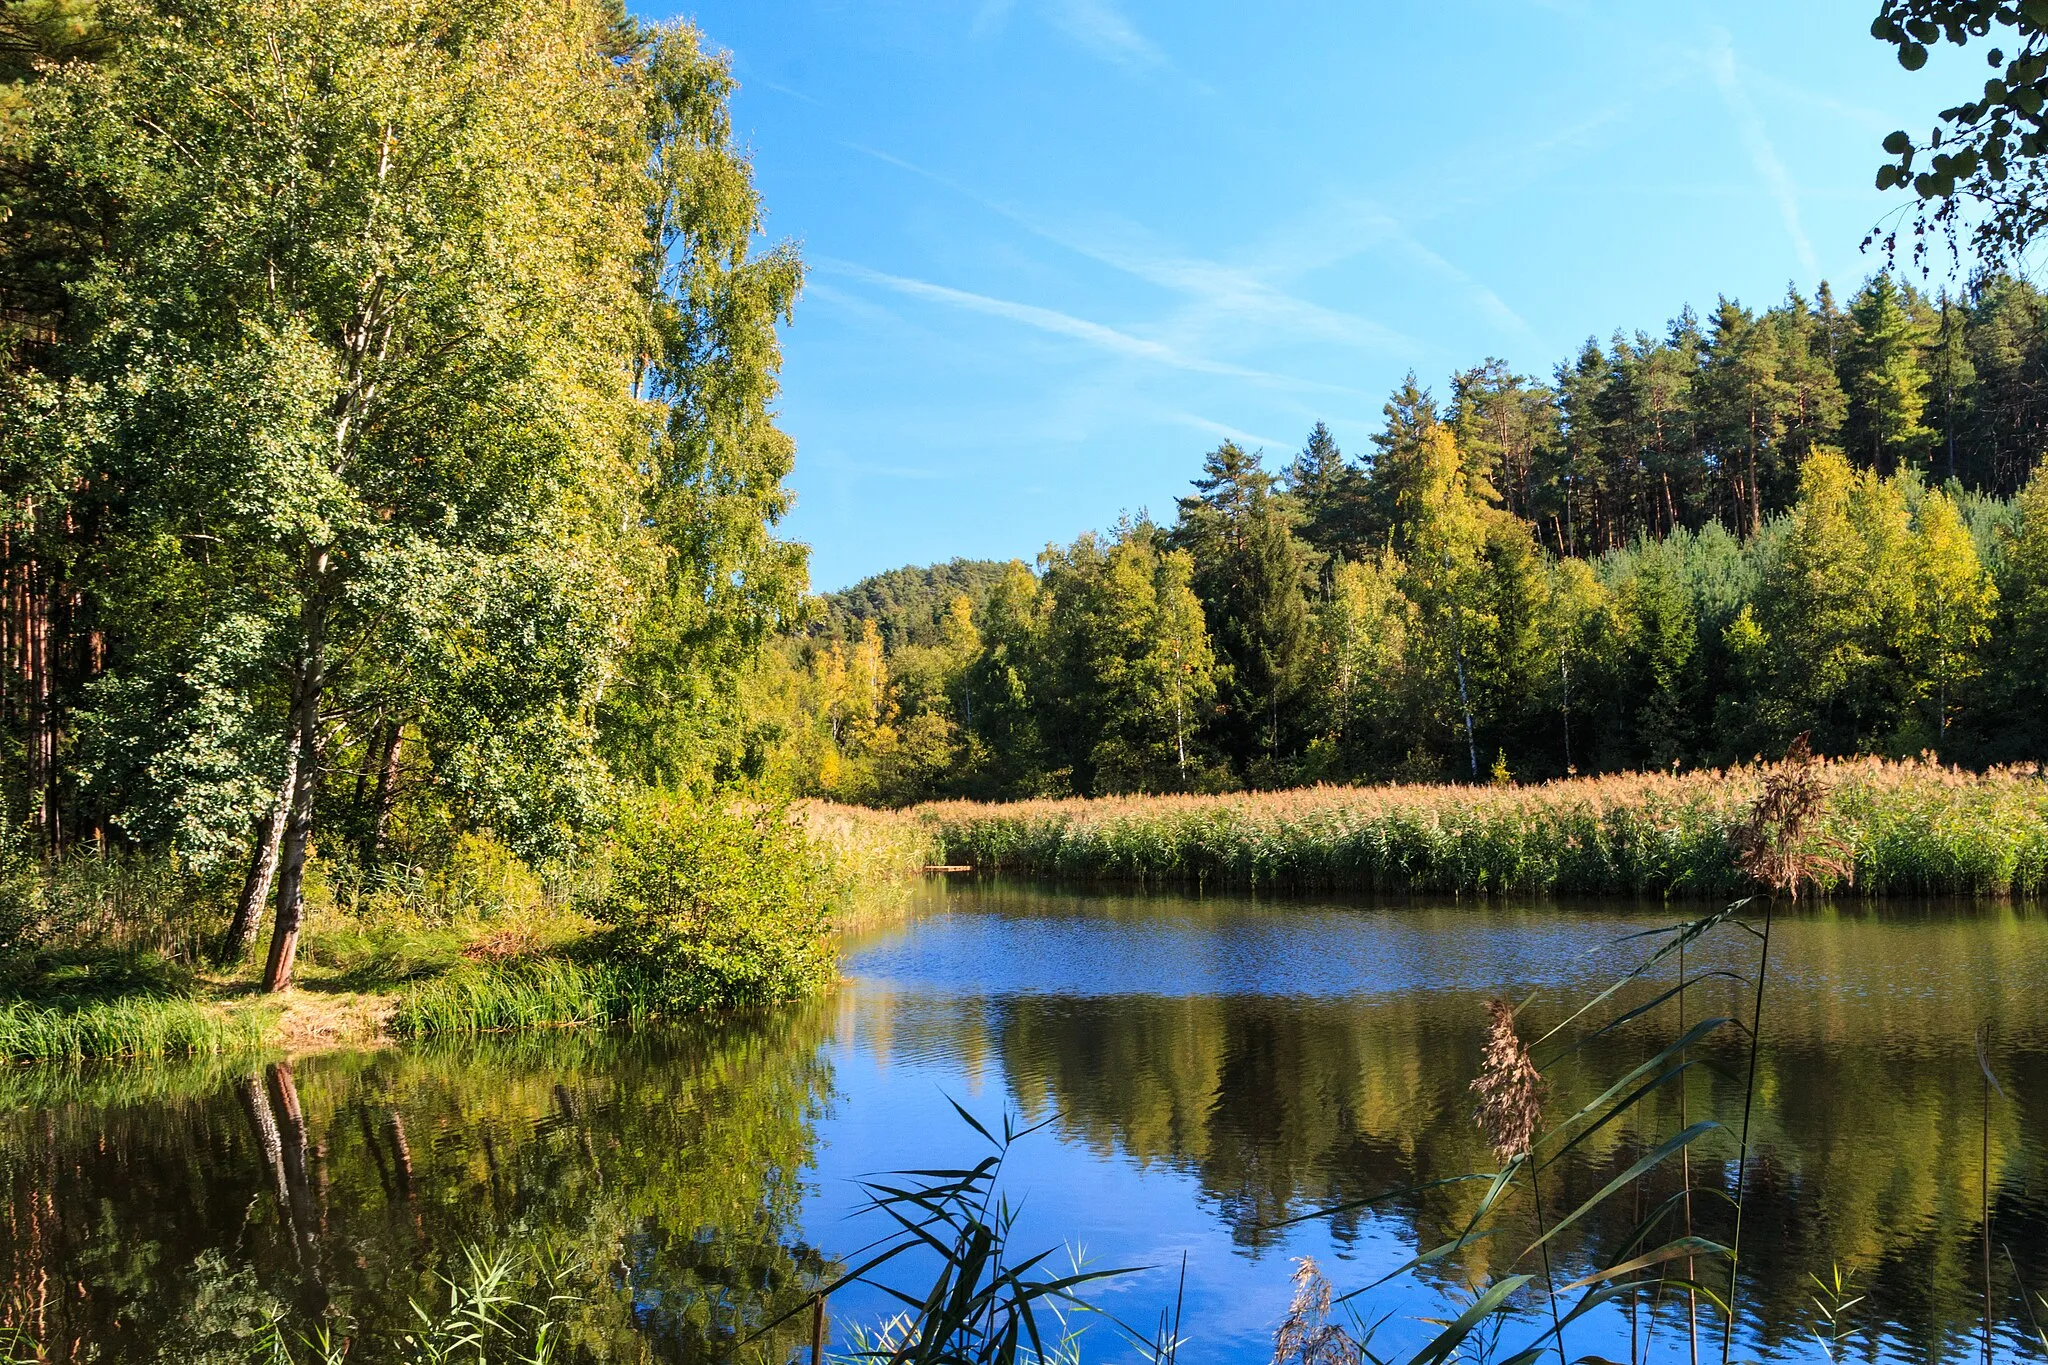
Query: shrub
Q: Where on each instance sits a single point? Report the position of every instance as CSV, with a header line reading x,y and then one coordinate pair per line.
x,y
93,901
717,903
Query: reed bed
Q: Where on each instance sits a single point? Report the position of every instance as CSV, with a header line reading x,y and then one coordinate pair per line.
x,y
1910,828
133,1028
874,854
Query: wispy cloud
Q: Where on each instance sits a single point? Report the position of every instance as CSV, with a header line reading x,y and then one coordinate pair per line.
x,y
1101,28
1103,338
794,94
1227,432
1762,154
1237,294
989,16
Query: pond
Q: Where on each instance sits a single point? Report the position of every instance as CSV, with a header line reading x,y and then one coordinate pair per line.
x,y
1213,1076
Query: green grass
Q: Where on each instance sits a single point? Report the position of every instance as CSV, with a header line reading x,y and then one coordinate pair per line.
x,y
136,1027
546,992
1911,829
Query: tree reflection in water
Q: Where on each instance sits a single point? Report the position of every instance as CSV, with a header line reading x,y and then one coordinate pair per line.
x,y
1267,1060
163,1214
1286,1093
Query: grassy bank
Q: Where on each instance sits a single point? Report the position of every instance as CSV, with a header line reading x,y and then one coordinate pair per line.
x,y
1911,828
108,957
131,1029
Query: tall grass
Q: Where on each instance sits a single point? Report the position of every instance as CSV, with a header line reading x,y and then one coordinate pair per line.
x,y
544,992
873,853
136,1027
105,902
1910,828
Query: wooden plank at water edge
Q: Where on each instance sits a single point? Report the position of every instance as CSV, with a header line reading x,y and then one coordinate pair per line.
x,y
949,867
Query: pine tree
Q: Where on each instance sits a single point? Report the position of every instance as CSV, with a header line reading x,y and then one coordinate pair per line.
x,y
1951,379
2007,338
1835,331
1578,466
2019,682
1409,412
1745,407
1502,420
1886,379
1661,637
1330,494
1251,575
1818,406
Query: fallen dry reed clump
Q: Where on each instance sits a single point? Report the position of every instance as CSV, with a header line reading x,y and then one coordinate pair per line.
x,y
1903,828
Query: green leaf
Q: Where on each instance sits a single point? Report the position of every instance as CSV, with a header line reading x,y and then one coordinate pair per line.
x,y
1912,56
1447,1340
1897,143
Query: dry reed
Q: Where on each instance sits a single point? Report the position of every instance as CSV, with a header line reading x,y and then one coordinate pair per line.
x,y
1307,1336
1903,828
1510,1088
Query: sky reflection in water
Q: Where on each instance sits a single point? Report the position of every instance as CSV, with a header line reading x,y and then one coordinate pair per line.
x,y
1210,1068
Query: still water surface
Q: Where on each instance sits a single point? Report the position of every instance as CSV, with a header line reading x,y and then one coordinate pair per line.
x,y
1210,1070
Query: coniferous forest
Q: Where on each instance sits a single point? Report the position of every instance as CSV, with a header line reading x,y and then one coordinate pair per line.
x,y
1679,549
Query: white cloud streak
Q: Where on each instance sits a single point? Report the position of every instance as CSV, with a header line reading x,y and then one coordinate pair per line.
x,y
1229,433
1102,29
1094,334
1764,156
1241,295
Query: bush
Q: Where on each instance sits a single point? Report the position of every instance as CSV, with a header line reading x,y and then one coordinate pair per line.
x,y
717,904
89,901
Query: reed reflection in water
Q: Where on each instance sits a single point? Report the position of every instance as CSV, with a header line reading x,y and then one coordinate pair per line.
x,y
1262,1060
1211,1068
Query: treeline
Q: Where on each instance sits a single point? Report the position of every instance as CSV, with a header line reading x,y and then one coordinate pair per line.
x,y
1686,552
386,447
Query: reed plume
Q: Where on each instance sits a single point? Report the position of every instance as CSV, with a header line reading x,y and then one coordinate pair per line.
x,y
1509,1086
1307,1336
1782,846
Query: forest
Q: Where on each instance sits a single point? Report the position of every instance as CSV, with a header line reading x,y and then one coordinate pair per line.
x,y
386,433
1683,549
394,568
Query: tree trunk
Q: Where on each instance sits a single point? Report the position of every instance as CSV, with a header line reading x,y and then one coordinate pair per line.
x,y
310,677
387,787
41,707
241,935
1465,704
1565,671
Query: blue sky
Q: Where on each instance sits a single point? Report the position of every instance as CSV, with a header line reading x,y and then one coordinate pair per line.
x,y
1058,249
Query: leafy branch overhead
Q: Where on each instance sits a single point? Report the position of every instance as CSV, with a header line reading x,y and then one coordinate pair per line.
x,y
1987,150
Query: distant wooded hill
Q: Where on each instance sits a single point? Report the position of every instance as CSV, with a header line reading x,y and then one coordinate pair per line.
x,y
906,604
